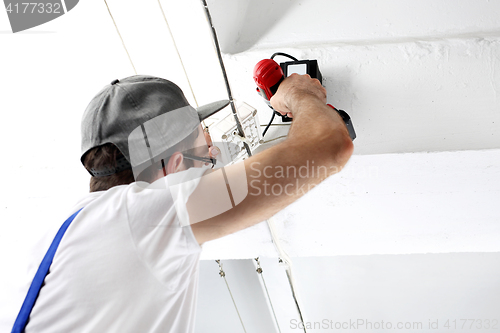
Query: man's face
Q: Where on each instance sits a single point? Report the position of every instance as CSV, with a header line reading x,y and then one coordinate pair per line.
x,y
203,147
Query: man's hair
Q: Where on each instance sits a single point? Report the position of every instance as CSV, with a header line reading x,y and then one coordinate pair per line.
x,y
107,154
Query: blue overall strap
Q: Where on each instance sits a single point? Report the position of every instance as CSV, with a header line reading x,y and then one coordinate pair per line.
x,y
29,301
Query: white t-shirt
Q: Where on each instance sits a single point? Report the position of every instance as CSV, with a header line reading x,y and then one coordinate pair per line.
x,y
125,264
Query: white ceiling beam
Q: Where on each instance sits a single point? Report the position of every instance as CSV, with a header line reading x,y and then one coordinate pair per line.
x,y
386,204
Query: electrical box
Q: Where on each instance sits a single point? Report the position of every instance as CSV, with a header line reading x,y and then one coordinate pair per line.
x,y
225,132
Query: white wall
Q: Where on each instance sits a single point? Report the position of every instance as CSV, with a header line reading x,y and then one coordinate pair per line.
x,y
412,290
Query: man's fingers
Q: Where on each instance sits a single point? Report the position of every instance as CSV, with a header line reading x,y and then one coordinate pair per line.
x,y
213,151
292,89
288,114
278,105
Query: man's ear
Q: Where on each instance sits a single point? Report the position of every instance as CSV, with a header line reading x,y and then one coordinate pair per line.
x,y
174,163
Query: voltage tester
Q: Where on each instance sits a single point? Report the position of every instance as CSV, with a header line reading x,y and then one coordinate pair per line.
x,y
268,75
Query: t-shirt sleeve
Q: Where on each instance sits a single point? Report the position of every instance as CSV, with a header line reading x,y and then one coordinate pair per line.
x,y
160,229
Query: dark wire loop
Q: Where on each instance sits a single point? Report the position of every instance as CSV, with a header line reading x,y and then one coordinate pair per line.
x,y
274,112
268,125
283,54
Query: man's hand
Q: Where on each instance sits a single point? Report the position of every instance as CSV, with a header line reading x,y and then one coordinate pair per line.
x,y
294,90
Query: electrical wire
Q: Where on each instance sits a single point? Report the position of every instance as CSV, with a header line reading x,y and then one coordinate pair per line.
x,y
283,54
223,275
277,125
285,259
270,122
274,139
178,53
235,115
274,113
260,271
123,43
224,74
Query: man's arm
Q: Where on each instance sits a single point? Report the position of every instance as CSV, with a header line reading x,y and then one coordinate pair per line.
x,y
318,145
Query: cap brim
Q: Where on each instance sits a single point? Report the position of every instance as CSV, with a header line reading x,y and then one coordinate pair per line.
x,y
206,111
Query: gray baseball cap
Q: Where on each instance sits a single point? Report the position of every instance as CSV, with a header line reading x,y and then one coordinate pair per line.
x,y
123,107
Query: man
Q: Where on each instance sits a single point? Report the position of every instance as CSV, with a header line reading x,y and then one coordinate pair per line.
x,y
129,260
